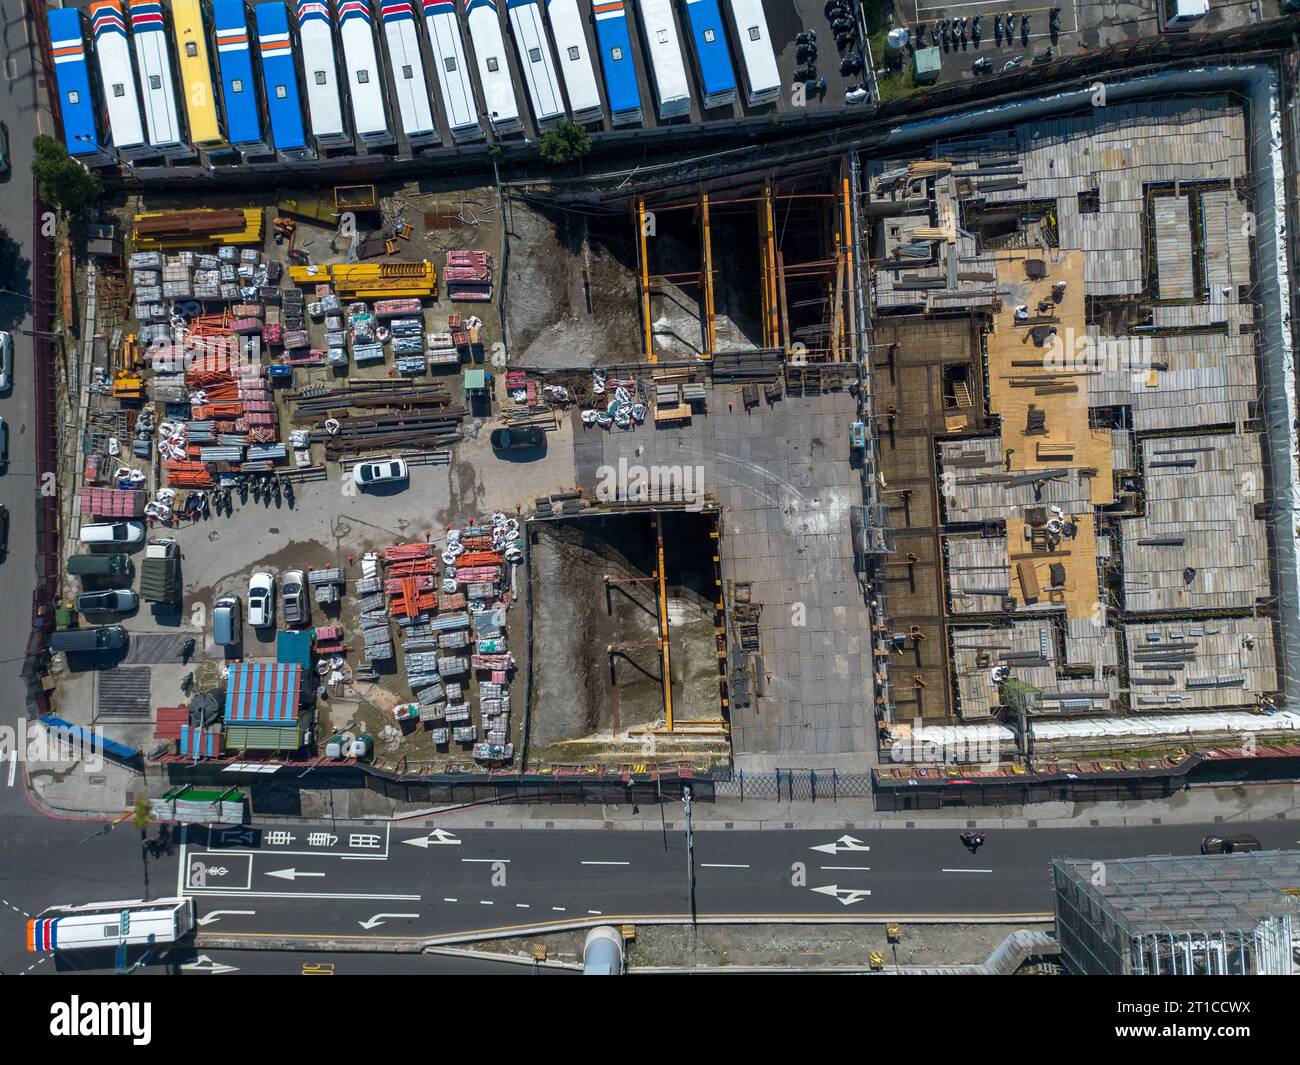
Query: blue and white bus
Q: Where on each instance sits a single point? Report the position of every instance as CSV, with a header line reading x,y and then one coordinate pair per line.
x,y
575,60
72,76
238,86
316,40
493,66
413,103
280,77
617,63
452,70
712,56
365,78
117,78
153,57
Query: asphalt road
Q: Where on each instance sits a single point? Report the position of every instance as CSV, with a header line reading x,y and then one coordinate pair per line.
x,y
17,483
274,886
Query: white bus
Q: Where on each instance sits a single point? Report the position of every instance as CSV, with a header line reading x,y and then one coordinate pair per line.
x,y
132,922
365,79
452,69
667,69
493,67
575,60
535,61
316,41
413,103
117,76
757,58
153,57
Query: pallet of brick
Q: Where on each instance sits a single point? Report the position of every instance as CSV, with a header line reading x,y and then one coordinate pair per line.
x,y
434,693
465,733
430,714
453,641
296,340
396,308
363,353
457,712
147,260
453,665
440,736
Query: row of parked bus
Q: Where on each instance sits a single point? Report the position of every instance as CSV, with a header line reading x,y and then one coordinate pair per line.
x,y
135,104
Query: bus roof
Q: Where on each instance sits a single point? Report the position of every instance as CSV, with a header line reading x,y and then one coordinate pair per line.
x,y
235,60
667,68
71,73
616,57
756,51
406,67
316,36
116,74
195,66
535,59
279,75
493,66
365,79
154,59
574,56
450,64
709,39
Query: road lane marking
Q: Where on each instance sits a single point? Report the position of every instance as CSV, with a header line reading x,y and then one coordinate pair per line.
x,y
595,913
558,909
451,900
488,861
216,915
847,868
240,893
486,902
965,870
606,863
720,865
522,905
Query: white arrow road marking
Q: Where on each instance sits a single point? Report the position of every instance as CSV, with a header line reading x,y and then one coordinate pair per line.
x,y
848,896
378,919
204,964
290,874
439,836
216,915
844,843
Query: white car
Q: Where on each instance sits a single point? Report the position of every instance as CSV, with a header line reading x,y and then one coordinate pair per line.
x,y
379,471
6,361
113,532
261,599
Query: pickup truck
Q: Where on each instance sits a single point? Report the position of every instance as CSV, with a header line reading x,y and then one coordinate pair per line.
x,y
160,572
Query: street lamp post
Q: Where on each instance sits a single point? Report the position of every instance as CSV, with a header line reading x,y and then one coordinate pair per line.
x,y
690,851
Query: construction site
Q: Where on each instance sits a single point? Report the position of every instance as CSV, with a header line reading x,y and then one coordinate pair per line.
x,y
969,441
1069,368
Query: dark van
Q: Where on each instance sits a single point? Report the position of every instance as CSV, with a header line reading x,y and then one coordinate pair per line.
x,y
114,567
105,638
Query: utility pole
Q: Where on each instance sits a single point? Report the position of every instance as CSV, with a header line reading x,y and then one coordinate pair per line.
x,y
690,860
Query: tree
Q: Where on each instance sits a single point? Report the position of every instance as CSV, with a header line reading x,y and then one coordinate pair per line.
x,y
61,180
142,816
564,143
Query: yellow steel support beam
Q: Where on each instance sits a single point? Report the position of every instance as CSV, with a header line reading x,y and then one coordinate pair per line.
x,y
850,278
769,269
710,324
643,245
663,621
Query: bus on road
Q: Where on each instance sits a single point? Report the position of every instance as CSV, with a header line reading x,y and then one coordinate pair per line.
x,y
133,923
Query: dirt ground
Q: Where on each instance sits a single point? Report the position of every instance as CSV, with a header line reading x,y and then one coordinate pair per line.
x,y
783,946
571,289
578,695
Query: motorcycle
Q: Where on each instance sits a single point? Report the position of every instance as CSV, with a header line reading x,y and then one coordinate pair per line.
x,y
975,31
997,30
982,66
275,489
1012,63
972,841
1044,57
243,491
288,485
187,649
1024,29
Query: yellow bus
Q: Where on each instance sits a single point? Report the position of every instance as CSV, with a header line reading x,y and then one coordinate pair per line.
x,y
193,56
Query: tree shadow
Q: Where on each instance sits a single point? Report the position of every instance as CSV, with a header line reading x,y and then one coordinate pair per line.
x,y
15,282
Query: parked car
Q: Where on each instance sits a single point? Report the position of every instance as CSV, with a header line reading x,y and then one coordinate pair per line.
x,y
6,361
4,148
1230,844
4,532
113,532
379,471
116,567
4,446
226,628
105,638
519,438
110,601
293,590
261,599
